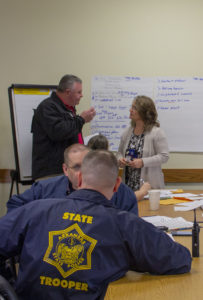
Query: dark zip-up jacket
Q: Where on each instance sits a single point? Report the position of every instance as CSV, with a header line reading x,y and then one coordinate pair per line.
x,y
54,128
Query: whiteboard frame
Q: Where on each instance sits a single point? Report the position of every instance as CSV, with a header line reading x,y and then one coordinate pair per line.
x,y
20,178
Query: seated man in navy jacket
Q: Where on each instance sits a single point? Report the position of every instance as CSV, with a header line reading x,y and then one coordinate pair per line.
x,y
73,248
61,186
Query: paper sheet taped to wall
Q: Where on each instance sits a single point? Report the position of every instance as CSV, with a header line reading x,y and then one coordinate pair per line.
x,y
178,102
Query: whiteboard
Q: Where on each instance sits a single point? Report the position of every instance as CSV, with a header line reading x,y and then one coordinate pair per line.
x,y
179,103
23,99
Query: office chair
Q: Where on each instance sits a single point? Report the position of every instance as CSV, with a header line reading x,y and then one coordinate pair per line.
x,y
8,269
6,290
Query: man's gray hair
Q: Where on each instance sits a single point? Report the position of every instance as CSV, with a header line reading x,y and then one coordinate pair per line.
x,y
73,149
67,82
100,169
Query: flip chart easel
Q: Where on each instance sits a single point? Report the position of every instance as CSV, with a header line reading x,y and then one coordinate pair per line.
x,y
23,99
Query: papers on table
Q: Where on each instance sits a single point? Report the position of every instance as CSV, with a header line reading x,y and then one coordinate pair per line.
x,y
183,201
171,201
163,194
196,197
167,194
171,223
183,195
188,205
168,197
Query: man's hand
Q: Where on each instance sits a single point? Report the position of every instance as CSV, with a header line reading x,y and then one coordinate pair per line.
x,y
88,115
145,188
143,191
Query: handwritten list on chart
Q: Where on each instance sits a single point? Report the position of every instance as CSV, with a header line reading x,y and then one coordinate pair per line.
x,y
179,103
112,98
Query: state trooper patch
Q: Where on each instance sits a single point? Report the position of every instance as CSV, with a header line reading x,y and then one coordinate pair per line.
x,y
69,250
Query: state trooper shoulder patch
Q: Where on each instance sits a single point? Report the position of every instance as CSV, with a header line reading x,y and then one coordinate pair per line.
x,y
69,250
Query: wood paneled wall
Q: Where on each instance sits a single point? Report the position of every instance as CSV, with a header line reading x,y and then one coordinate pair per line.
x,y
170,175
5,175
183,175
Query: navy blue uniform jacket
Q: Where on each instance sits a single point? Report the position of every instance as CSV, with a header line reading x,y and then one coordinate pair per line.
x,y
72,248
60,187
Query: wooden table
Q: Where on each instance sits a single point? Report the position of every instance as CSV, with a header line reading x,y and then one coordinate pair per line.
x,y
137,286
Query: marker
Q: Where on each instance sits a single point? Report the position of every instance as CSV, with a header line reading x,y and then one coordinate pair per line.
x,y
163,228
181,233
184,228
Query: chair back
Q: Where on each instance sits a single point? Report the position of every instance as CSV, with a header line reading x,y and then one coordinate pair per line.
x,y
6,290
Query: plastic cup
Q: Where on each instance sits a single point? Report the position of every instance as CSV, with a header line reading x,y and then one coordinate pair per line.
x,y
154,199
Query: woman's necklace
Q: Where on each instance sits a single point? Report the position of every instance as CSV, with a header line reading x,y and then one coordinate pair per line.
x,y
138,130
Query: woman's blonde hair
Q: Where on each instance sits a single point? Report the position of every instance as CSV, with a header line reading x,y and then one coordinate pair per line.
x,y
147,110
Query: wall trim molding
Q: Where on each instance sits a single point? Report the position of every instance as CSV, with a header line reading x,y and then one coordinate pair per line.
x,y
183,175
5,175
170,175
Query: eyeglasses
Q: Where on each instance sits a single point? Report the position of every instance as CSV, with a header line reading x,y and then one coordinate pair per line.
x,y
76,168
133,107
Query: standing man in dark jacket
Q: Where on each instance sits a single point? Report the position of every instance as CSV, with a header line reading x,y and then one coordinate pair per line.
x,y
55,126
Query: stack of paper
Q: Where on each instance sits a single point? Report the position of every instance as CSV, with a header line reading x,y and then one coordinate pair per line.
x,y
168,197
171,223
188,205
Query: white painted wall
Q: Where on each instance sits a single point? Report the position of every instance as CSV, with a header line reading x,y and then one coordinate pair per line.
x,y
42,40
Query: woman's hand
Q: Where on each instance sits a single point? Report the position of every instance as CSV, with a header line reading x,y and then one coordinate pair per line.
x,y
136,163
122,162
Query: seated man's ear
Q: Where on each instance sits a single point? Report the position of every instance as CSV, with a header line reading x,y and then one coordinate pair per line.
x,y
79,179
117,184
65,169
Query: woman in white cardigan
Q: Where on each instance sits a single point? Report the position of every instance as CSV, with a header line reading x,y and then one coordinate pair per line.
x,y
143,146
